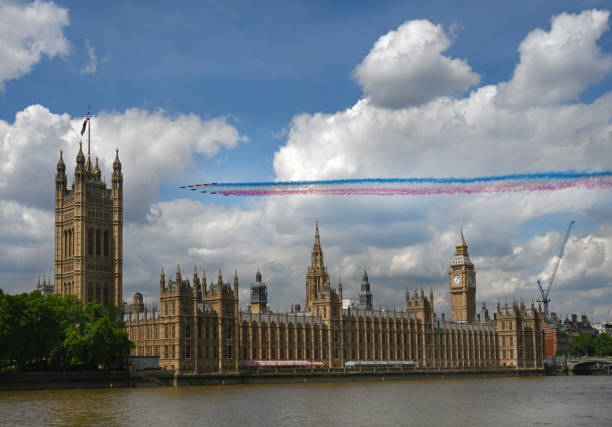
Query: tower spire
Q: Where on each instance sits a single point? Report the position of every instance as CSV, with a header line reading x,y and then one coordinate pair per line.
x,y
89,130
461,239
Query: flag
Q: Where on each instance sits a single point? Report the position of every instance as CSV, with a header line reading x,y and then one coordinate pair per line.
x,y
85,123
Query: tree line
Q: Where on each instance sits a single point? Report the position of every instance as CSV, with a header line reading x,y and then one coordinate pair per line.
x,y
589,345
59,333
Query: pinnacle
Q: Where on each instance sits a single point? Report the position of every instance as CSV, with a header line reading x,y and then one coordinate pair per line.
x,y
461,239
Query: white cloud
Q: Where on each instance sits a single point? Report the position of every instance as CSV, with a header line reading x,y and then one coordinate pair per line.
x,y
92,66
153,147
403,242
29,32
477,135
556,66
406,67
462,137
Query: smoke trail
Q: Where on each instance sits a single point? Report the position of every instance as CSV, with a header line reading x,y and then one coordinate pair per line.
x,y
545,181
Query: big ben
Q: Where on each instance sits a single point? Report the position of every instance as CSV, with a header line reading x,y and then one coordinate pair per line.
x,y
462,282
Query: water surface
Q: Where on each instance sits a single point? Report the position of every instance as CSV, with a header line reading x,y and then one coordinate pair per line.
x,y
556,401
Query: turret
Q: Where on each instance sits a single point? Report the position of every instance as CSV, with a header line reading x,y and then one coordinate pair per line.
x,y
204,285
97,172
80,159
196,282
117,163
259,295
220,282
162,281
317,278
178,277
365,295
236,283
60,177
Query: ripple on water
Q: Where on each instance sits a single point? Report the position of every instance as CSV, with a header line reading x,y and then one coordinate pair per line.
x,y
542,401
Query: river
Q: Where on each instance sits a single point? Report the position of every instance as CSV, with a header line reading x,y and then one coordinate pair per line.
x,y
555,401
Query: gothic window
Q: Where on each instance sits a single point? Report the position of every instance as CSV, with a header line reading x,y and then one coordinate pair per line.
x,y
90,243
106,243
187,331
98,243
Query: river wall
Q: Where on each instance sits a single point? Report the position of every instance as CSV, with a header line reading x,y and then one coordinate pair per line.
x,y
156,378
64,380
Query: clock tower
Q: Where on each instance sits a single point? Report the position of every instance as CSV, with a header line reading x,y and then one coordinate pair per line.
x,y
462,281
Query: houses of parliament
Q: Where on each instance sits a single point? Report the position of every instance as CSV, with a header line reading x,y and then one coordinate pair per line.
x,y
200,325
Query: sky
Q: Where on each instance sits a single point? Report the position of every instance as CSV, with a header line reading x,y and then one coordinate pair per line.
x,y
234,91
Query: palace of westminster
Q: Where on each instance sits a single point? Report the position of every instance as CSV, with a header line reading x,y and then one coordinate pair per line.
x,y
201,327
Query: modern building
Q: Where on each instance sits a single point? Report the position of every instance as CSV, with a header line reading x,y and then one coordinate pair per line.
x,y
199,326
89,232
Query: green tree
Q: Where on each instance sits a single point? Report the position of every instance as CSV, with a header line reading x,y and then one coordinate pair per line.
x,y
53,332
99,340
603,345
582,345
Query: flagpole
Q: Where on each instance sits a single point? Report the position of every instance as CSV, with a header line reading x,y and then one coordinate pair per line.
x,y
89,130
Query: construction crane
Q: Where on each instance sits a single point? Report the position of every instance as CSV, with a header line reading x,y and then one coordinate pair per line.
x,y
543,298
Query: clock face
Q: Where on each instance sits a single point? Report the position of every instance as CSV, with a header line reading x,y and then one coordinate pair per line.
x,y
457,279
471,280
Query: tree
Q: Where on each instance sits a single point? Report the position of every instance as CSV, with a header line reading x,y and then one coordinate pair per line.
x,y
42,333
603,345
582,345
99,340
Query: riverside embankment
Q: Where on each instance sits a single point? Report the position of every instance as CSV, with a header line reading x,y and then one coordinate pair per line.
x,y
154,378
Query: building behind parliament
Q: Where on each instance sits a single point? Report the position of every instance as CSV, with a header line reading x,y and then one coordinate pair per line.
x,y
200,325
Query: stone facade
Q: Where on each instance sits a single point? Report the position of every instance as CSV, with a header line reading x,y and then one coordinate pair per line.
x,y
199,326
89,232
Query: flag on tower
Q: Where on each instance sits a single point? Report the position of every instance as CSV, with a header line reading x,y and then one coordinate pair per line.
x,y
85,123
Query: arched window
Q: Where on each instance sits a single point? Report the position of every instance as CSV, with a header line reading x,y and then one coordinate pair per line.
x,y
98,243
90,243
106,243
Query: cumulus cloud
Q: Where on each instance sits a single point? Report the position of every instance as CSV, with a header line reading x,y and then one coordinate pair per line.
x,y
153,146
558,65
30,31
462,137
403,242
406,67
480,134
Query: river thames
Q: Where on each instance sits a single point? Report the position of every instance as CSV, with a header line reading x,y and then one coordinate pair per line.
x,y
556,401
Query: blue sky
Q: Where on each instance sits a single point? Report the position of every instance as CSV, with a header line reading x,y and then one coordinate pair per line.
x,y
259,63
280,82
